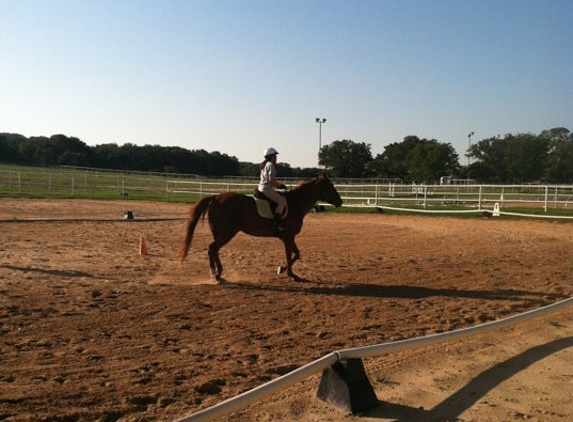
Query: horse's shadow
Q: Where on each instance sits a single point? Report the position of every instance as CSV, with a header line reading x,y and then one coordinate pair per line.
x,y
463,399
59,273
396,291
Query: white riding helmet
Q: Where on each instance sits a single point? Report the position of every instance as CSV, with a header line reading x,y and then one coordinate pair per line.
x,y
270,151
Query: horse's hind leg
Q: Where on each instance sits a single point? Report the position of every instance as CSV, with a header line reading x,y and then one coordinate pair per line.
x,y
214,262
215,266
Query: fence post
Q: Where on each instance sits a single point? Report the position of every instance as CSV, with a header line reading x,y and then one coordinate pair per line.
x,y
479,198
346,386
546,197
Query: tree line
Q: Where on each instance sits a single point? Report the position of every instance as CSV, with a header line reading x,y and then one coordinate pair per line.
x,y
521,158
61,150
512,159
547,157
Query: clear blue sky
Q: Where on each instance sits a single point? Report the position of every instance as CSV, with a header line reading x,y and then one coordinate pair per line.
x,y
238,76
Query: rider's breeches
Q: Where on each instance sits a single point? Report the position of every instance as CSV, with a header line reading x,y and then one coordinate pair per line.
x,y
273,195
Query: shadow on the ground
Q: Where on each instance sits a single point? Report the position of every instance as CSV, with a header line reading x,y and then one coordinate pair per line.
x,y
453,406
58,273
400,291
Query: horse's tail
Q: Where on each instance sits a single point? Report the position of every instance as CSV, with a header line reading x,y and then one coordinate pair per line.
x,y
198,212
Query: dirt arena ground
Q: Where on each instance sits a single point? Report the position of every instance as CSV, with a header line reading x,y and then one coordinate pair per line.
x,y
92,331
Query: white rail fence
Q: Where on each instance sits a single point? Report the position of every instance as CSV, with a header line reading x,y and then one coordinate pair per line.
x,y
448,197
265,390
551,199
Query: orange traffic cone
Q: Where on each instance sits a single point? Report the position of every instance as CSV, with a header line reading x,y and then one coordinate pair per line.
x,y
142,246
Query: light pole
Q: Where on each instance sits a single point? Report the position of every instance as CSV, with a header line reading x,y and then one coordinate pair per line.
x,y
472,133
320,121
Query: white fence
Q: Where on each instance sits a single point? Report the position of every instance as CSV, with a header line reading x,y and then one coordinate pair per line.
x,y
469,196
278,384
90,183
428,198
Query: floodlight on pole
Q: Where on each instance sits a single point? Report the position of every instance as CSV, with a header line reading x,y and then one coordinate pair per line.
x,y
472,133
320,121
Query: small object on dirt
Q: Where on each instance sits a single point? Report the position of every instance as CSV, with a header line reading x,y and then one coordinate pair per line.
x,y
142,246
128,215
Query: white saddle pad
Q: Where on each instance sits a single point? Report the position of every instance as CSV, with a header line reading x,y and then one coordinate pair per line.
x,y
264,208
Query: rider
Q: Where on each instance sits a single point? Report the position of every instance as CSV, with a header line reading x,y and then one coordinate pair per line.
x,y
267,184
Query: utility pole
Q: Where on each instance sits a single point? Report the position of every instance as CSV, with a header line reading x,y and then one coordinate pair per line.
x,y
320,121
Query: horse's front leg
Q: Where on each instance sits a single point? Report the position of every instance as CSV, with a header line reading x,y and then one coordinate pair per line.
x,y
295,253
292,255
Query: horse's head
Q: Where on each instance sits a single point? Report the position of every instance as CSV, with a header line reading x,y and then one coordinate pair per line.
x,y
328,192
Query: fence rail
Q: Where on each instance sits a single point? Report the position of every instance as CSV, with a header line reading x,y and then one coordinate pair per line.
x,y
242,400
91,183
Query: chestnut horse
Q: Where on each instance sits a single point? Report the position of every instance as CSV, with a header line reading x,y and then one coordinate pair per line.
x,y
230,212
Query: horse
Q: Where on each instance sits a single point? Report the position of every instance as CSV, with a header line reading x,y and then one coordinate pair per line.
x,y
231,212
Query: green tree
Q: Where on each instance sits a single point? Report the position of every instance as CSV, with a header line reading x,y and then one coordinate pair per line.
x,y
221,165
512,159
68,151
9,147
107,156
488,160
416,160
346,158
430,160
559,168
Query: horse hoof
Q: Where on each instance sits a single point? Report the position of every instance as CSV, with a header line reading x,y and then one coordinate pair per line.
x,y
280,270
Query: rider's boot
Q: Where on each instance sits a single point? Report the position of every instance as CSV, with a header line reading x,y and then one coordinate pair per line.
x,y
277,224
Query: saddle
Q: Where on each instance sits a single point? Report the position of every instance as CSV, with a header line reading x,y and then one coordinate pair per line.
x,y
266,207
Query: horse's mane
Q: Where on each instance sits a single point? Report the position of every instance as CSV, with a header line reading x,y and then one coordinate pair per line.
x,y
306,188
307,181
303,184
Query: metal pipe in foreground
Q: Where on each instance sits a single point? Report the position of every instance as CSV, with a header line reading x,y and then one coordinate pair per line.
x,y
248,397
380,349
